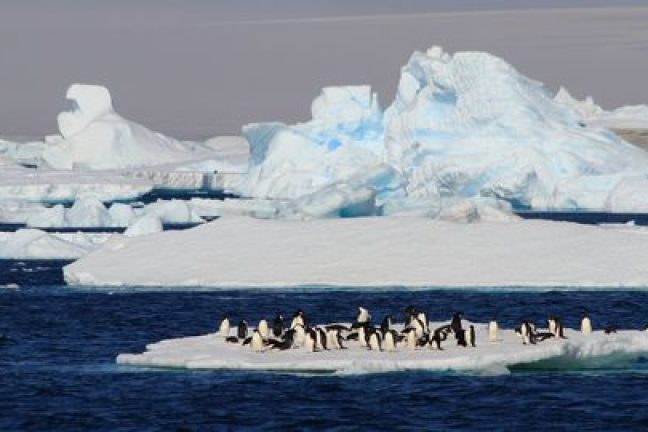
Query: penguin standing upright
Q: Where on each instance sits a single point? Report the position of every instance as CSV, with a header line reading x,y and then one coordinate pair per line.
x,y
363,316
386,324
456,326
586,324
300,335
298,318
278,326
492,331
264,331
257,341
389,343
332,339
470,336
310,342
224,328
410,340
374,342
551,325
242,329
422,318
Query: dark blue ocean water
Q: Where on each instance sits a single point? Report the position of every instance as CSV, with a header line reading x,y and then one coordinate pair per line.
x,y
57,369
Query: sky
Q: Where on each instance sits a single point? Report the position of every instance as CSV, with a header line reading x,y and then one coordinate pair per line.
x,y
199,68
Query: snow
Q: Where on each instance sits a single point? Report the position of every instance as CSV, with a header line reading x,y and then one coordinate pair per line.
x,y
147,224
577,351
462,126
626,117
94,136
36,244
373,252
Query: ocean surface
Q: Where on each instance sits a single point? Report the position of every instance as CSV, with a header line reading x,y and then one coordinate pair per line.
x,y
58,346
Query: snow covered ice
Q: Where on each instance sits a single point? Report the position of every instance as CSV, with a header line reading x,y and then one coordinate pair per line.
x,y
372,252
210,351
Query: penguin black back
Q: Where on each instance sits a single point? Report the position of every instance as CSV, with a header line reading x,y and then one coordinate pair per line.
x,y
242,329
277,326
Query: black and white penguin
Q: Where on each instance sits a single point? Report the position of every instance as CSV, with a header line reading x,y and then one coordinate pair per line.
x,y
410,339
287,342
299,335
440,335
610,328
363,315
298,318
242,329
386,324
232,339
559,330
410,313
374,342
264,331
310,342
224,327
257,341
390,341
470,336
418,327
551,325
422,318
321,338
586,324
278,326
526,332
455,324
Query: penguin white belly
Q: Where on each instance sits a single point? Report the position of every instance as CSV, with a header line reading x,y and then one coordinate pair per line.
x,y
331,339
374,342
309,343
264,330
390,344
298,320
492,331
411,341
300,336
586,326
257,342
224,329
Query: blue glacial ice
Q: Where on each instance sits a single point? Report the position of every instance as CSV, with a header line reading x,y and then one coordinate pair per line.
x,y
462,127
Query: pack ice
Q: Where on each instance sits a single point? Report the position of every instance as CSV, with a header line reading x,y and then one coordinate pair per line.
x,y
462,126
576,352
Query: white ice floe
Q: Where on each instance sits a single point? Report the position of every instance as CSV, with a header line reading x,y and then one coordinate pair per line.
x,y
626,117
373,252
36,244
576,352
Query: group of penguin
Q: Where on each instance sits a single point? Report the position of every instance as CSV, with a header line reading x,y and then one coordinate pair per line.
x,y
415,334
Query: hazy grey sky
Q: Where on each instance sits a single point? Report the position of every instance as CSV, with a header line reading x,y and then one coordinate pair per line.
x,y
197,68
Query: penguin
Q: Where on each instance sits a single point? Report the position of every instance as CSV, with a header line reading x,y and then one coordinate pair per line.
x,y
224,328
470,336
232,339
299,335
298,318
422,317
242,329
586,324
286,343
278,326
418,327
551,325
410,339
440,335
455,324
321,339
526,332
362,335
410,312
610,328
559,330
461,338
332,339
389,343
310,343
363,315
492,331
264,331
374,342
386,324
257,341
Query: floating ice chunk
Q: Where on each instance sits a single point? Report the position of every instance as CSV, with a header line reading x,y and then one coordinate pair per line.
x,y
174,211
577,352
147,224
35,244
122,215
88,212
84,104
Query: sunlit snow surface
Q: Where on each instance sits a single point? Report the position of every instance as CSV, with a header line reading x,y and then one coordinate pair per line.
x,y
577,351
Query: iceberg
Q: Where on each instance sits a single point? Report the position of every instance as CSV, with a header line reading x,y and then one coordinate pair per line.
x,y
36,244
93,136
462,126
576,352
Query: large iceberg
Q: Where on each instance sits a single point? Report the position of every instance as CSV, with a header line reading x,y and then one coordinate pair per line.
x,y
94,136
462,126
